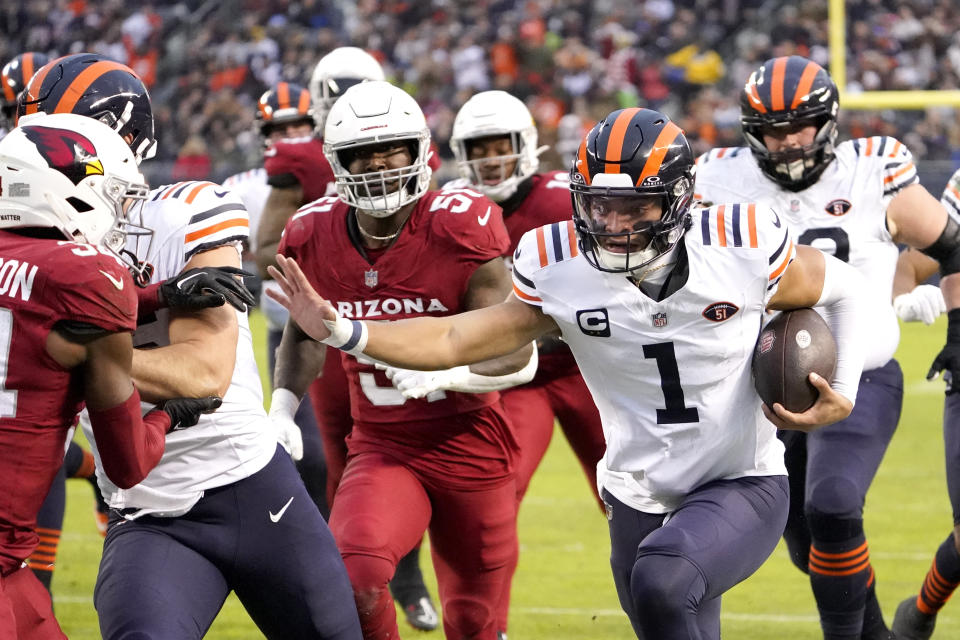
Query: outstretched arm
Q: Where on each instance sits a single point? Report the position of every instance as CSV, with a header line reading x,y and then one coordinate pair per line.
x,y
425,343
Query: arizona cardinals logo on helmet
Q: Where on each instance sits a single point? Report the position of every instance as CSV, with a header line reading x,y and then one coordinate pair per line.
x,y
70,153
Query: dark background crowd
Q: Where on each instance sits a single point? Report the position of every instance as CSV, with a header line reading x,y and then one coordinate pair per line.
x,y
571,61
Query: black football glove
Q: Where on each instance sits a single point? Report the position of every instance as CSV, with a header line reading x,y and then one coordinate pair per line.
x,y
204,287
949,356
185,412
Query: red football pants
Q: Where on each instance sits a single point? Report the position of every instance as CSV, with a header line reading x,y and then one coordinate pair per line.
x,y
532,409
26,612
330,397
383,508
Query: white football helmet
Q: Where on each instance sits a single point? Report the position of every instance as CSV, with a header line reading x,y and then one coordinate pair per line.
x,y
374,113
496,113
71,173
335,73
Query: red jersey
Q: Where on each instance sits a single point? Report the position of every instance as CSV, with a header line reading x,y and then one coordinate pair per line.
x,y
43,282
425,272
546,202
301,161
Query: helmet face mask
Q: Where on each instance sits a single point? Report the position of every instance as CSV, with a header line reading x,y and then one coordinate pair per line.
x,y
489,115
75,175
790,92
631,186
335,73
380,115
90,85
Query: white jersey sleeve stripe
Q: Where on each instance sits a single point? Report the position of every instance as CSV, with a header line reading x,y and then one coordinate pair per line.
x,y
723,225
164,192
556,242
951,196
787,259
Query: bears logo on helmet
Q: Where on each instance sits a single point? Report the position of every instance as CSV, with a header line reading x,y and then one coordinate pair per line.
x,y
68,152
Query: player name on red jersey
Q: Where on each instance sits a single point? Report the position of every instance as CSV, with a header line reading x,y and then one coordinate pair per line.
x,y
16,278
389,306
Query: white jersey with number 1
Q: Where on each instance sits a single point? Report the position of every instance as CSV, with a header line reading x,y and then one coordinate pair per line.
x,y
237,440
672,378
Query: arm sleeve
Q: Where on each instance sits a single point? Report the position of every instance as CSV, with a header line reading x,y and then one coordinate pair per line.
x,y
842,306
130,445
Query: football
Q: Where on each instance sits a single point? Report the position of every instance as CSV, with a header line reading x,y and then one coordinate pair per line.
x,y
791,346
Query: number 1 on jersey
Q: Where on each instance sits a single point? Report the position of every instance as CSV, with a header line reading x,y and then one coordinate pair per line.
x,y
676,411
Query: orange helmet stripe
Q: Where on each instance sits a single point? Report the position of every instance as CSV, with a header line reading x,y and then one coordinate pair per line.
x,y
83,81
776,83
304,104
806,81
615,142
33,87
8,94
755,101
27,67
584,168
667,135
283,95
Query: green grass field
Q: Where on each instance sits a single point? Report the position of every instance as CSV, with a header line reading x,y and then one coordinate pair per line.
x,y
563,589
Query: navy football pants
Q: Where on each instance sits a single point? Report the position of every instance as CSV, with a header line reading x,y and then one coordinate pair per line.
x,y
670,572
262,537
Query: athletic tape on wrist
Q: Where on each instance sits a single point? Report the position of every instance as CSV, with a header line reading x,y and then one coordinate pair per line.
x,y
347,335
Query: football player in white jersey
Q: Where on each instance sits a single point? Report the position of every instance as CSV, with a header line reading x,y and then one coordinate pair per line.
x,y
916,616
857,200
693,476
285,111
219,492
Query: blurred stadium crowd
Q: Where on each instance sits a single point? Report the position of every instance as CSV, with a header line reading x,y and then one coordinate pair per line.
x,y
571,61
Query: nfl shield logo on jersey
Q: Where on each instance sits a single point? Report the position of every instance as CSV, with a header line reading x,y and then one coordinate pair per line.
x,y
370,278
660,319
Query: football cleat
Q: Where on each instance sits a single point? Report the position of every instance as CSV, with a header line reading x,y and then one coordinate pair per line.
x,y
422,614
909,623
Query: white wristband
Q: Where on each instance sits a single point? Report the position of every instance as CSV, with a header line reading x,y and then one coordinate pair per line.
x,y
284,402
347,335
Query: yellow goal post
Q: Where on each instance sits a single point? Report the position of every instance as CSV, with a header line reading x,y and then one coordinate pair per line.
x,y
837,18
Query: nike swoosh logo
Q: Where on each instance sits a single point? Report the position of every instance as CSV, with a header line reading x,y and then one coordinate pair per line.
x,y
186,280
117,282
483,219
776,219
220,194
275,517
